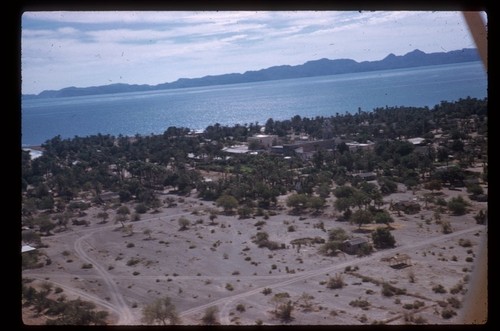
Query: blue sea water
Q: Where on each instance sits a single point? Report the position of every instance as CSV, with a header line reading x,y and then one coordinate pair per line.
x,y
153,112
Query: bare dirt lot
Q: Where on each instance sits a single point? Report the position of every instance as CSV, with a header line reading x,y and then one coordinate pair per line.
x,y
219,265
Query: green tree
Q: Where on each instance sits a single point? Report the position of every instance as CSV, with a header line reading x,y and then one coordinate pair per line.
x,y
361,217
383,217
297,201
46,226
344,191
284,311
343,204
162,311
337,234
387,186
433,185
227,202
155,204
210,316
457,205
383,238
316,203
323,190
474,189
79,312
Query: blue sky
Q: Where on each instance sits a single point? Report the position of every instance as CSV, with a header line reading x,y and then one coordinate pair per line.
x,y
61,49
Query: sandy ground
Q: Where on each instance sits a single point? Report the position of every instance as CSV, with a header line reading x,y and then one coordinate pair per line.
x,y
219,265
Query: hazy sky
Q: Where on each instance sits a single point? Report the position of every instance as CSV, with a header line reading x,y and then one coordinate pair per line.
x,y
61,49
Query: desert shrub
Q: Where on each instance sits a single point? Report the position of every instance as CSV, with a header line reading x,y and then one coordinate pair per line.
x,y
267,291
141,208
464,242
136,273
210,315
457,288
281,295
420,320
284,311
454,302
481,217
245,212
411,276
133,261
260,223
130,245
183,223
469,259
408,306
389,290
330,248
363,304
441,202
335,282
417,304
457,205
363,318
446,227
291,228
261,239
364,250
229,287
448,313
87,266
240,307
439,289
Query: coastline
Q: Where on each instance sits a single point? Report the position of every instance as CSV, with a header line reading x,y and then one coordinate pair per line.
x,y
35,151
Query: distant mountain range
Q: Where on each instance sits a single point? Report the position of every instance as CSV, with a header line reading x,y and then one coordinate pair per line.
x,y
322,67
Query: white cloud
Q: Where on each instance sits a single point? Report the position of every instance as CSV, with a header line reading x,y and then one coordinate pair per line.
x,y
92,48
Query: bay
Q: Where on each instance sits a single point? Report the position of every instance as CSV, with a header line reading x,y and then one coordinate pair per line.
x,y
153,112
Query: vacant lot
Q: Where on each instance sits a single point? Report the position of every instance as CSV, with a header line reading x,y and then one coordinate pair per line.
x,y
217,264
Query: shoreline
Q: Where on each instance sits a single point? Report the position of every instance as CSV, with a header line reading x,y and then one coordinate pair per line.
x,y
34,151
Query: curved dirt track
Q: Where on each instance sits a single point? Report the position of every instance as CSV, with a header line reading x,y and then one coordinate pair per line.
x,y
313,273
124,313
119,306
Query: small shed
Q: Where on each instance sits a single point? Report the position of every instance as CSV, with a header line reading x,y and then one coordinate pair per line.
x,y
351,246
